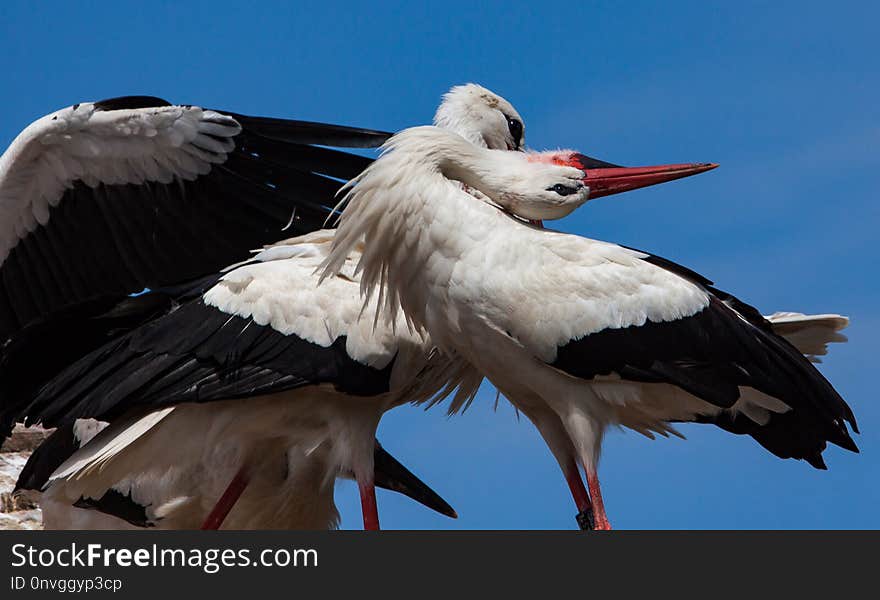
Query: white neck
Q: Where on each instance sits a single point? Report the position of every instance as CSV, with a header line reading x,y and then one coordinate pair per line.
x,y
415,219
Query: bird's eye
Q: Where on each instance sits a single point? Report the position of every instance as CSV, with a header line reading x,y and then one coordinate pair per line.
x,y
562,190
516,130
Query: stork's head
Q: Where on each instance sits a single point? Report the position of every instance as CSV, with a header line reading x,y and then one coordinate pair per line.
x,y
487,120
482,117
605,179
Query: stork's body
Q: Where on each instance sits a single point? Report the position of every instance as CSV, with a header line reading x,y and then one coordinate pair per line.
x,y
578,334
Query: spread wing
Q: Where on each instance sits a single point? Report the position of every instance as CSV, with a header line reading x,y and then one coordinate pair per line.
x,y
130,193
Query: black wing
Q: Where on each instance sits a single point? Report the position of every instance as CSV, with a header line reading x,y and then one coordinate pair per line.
x,y
277,182
711,354
193,353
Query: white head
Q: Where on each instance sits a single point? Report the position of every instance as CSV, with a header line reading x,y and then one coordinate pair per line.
x,y
482,117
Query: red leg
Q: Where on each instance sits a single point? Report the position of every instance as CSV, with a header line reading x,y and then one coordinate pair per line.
x,y
368,505
598,505
576,485
584,518
227,500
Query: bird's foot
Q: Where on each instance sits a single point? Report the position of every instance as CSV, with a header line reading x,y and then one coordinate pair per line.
x,y
586,520
602,523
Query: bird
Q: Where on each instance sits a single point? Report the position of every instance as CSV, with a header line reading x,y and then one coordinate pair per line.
x,y
578,334
290,491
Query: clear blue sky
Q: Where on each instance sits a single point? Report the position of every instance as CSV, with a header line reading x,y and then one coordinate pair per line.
x,y
783,95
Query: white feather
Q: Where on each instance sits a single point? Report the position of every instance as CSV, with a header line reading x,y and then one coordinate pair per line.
x,y
111,147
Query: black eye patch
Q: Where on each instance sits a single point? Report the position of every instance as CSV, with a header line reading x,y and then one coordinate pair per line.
x,y
516,130
562,190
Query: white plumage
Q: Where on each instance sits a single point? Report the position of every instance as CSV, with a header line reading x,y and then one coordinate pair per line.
x,y
810,334
172,476
116,147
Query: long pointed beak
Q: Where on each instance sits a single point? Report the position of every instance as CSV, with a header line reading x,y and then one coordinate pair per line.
x,y
392,475
605,179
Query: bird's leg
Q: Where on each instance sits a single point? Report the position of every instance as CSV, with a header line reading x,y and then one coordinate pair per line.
x,y
233,492
598,506
585,519
369,508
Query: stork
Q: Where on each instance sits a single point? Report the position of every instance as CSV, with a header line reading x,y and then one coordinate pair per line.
x,y
290,491
578,334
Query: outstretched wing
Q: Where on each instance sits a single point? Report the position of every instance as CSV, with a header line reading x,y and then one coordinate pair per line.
x,y
130,193
260,328
659,323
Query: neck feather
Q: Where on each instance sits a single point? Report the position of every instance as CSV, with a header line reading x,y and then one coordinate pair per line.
x,y
406,207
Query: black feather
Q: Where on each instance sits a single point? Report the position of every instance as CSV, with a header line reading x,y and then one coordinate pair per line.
x,y
113,240
130,103
39,352
193,353
46,458
119,505
711,354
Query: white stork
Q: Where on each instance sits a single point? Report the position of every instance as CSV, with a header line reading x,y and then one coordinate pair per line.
x,y
578,334
290,490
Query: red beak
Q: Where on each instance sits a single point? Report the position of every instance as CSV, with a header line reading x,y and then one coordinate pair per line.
x,y
605,179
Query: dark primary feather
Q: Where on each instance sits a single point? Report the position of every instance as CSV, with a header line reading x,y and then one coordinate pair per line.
x,y
46,458
308,132
278,182
37,353
193,353
711,354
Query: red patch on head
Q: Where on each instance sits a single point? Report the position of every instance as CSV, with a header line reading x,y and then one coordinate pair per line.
x,y
563,159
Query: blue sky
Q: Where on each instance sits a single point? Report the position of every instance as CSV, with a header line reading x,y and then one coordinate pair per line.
x,y
783,95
